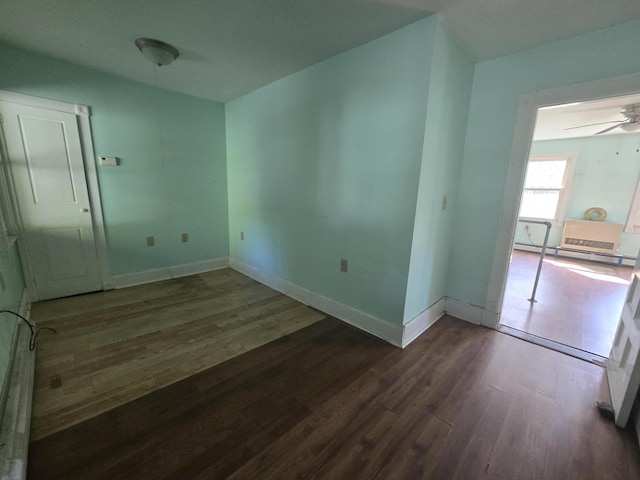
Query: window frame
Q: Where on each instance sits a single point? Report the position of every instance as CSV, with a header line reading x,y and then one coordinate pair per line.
x,y
633,219
564,190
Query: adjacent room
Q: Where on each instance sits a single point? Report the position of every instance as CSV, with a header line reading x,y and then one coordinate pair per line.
x,y
580,197
275,240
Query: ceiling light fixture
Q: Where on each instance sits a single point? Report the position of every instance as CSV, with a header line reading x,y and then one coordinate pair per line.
x,y
157,52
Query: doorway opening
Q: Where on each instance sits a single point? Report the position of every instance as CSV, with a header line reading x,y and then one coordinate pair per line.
x,y
577,234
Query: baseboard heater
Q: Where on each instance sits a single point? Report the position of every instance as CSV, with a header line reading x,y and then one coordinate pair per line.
x,y
591,236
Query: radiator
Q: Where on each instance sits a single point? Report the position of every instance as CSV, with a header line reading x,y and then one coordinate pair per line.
x,y
591,236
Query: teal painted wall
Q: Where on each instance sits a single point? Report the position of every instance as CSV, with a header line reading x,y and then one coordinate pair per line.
x,y
11,289
324,165
606,175
497,87
448,105
162,188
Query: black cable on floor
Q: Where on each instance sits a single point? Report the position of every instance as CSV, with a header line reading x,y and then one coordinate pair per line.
x,y
33,338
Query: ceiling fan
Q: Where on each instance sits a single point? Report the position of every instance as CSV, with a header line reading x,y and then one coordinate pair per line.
x,y
631,123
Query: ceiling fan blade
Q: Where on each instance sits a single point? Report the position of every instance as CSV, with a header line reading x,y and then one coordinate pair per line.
x,y
611,128
593,124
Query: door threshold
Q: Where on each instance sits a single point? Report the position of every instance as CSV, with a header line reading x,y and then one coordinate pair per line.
x,y
550,344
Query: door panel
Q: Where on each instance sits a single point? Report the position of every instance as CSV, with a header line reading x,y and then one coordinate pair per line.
x,y
47,161
45,157
63,252
623,365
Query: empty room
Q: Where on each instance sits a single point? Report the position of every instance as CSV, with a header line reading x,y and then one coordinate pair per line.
x,y
275,240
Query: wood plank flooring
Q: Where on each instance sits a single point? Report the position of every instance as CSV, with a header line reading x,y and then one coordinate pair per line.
x,y
330,402
113,347
578,302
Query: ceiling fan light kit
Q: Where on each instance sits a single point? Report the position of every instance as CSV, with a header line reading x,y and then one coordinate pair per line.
x,y
631,124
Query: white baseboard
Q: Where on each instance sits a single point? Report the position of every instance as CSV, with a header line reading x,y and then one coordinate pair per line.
x,y
376,326
166,273
464,311
292,290
16,415
382,329
421,322
397,335
626,261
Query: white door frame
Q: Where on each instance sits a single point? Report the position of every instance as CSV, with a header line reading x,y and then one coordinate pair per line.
x,y
82,113
523,135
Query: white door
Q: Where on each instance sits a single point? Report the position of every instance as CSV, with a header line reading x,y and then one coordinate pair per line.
x,y
623,365
45,158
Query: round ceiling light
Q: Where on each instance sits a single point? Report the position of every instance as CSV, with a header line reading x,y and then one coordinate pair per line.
x,y
156,51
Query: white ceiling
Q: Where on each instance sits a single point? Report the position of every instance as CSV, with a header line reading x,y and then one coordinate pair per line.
x,y
553,122
231,47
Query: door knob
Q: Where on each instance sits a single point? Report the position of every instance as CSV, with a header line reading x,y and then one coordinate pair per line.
x,y
84,210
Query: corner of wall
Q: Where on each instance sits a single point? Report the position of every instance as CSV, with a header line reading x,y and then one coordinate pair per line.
x,y
449,94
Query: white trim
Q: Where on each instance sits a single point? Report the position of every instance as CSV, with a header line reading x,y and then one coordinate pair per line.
x,y
292,290
523,134
166,273
525,123
81,112
91,176
40,102
378,327
632,225
8,216
382,329
464,311
423,321
489,319
16,415
25,304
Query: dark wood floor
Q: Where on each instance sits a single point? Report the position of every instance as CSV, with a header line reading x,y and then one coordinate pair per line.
x,y
578,302
330,402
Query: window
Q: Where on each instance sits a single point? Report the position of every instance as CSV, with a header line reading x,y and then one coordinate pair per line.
x,y
546,188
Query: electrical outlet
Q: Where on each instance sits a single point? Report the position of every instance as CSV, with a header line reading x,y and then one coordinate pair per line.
x,y
241,235
184,237
343,264
151,241
526,228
